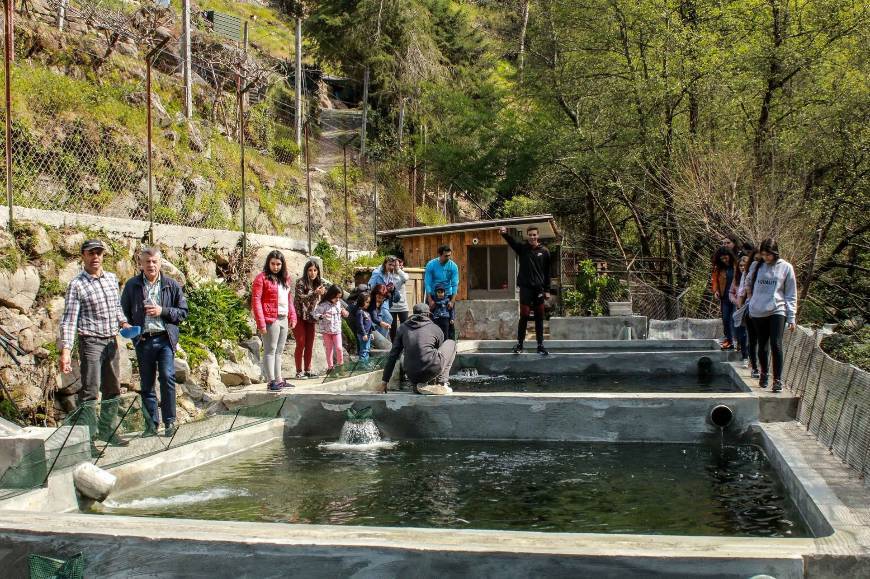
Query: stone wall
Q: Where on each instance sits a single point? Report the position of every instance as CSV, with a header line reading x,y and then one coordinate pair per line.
x,y
685,329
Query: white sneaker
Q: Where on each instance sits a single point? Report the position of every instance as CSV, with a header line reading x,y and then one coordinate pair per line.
x,y
745,364
300,376
434,389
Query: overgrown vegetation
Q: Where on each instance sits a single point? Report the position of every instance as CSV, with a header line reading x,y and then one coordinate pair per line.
x,y
336,268
584,298
215,313
852,348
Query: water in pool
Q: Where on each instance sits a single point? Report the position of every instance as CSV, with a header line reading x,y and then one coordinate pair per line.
x,y
533,486
466,381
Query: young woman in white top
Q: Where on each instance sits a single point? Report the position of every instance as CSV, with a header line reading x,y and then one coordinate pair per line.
x,y
773,306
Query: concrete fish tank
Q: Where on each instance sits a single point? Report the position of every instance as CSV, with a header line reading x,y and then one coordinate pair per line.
x,y
608,459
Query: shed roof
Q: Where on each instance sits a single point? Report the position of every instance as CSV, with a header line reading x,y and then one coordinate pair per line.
x,y
546,224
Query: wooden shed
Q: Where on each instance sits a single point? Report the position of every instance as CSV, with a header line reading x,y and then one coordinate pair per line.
x,y
487,265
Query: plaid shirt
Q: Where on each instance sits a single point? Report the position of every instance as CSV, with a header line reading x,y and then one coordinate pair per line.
x,y
93,307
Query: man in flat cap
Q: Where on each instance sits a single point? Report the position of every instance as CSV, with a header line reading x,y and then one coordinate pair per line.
x,y
428,355
93,314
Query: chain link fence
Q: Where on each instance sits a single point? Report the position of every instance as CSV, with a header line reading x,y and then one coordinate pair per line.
x,y
80,133
834,398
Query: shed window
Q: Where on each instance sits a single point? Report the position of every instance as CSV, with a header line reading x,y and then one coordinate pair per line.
x,y
488,268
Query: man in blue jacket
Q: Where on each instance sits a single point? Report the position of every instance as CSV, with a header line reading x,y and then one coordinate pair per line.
x,y
155,303
442,270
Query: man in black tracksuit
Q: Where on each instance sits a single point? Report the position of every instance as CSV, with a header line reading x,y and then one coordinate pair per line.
x,y
533,279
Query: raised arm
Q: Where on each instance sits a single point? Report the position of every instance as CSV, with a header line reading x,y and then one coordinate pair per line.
x,y
515,245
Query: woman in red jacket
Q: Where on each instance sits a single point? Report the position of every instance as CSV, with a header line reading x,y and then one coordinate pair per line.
x,y
274,314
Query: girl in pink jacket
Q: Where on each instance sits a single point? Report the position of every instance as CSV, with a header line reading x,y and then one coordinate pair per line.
x,y
274,314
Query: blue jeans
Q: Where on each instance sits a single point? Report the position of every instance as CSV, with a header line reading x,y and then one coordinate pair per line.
x,y
157,359
365,347
728,319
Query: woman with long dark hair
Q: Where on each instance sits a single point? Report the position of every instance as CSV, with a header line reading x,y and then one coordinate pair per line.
x,y
723,268
309,290
773,306
377,307
392,275
274,314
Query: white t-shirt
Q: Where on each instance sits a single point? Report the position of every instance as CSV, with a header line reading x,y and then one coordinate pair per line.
x,y
283,300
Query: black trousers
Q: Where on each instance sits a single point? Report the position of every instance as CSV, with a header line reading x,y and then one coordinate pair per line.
x,y
398,319
769,331
753,342
531,299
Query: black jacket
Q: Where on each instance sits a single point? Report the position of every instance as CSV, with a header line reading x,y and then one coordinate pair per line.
x,y
171,300
534,269
420,339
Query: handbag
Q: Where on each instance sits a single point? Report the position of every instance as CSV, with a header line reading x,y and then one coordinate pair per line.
x,y
739,315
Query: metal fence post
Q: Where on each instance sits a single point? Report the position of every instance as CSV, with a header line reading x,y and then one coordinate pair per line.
x,y
149,61
7,57
816,395
845,398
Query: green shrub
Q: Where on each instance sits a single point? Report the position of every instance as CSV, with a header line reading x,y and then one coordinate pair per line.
x,y
850,348
427,215
49,288
285,150
215,313
585,297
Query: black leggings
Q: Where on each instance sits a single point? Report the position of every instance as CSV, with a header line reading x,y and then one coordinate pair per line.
x,y
770,329
398,318
753,341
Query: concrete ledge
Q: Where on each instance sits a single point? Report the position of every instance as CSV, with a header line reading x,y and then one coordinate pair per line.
x,y
585,346
121,546
655,363
523,416
598,328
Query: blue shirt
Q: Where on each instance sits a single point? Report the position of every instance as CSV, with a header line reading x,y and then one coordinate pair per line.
x,y
447,274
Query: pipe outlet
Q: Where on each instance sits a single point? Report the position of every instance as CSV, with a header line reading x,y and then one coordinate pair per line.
x,y
721,415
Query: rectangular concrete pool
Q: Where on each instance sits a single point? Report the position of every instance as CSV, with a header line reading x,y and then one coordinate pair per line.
x,y
604,383
686,489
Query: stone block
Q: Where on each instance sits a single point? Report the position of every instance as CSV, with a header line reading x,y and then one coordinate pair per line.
x,y
18,289
598,328
685,329
487,319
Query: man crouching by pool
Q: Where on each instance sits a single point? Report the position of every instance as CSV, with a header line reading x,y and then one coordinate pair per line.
x,y
428,355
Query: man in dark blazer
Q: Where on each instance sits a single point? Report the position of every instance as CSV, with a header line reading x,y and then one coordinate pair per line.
x,y
155,303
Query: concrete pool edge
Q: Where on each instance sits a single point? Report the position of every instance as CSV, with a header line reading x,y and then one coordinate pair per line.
x,y
107,537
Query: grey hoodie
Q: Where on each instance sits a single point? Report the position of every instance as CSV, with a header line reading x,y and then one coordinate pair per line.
x,y
420,339
774,292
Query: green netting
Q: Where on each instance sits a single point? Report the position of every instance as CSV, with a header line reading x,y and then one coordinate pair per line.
x,y
47,568
355,368
117,431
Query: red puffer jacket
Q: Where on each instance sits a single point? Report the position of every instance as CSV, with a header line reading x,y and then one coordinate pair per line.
x,y
264,301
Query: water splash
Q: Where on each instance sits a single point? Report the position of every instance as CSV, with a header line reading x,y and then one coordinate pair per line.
x,y
178,500
359,433
468,373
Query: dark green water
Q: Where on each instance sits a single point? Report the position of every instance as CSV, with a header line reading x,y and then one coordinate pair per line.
x,y
535,486
599,383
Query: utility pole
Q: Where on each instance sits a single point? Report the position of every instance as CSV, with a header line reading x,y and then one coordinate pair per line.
x,y
185,58
298,78
8,56
308,185
346,210
241,106
366,75
149,61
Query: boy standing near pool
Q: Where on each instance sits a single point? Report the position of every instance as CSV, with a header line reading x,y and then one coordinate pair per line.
x,y
533,279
